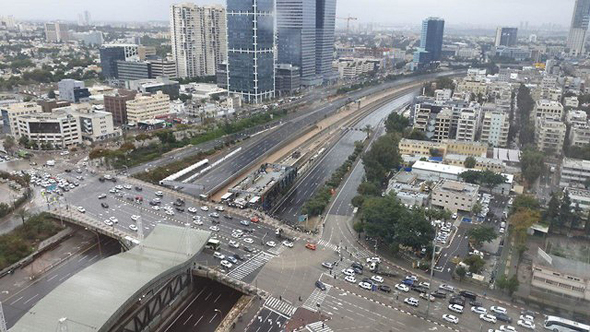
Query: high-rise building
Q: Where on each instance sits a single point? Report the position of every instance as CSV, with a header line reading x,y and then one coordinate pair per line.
x,y
198,35
431,40
325,25
117,105
577,37
111,53
506,36
133,70
56,32
495,127
163,67
251,42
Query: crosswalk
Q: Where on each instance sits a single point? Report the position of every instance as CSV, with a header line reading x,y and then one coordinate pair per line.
x,y
318,327
277,250
328,245
279,306
250,265
316,297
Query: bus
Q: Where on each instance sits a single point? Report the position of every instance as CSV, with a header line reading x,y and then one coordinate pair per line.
x,y
213,244
558,324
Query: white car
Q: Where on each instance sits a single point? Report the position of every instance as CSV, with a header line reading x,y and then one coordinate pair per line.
x,y
133,227
226,264
169,212
155,207
288,244
218,255
479,310
108,222
350,279
271,244
113,191
248,240
507,328
498,310
214,228
237,234
365,285
114,220
527,317
402,287
219,208
450,318
425,285
488,318
374,260
454,216
135,217
456,308
446,287
192,209
413,278
198,222
411,301
378,279
159,193
527,324
348,272
234,244
81,209
119,187
204,208
127,186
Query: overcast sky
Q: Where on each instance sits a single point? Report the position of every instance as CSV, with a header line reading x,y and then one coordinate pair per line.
x,y
394,12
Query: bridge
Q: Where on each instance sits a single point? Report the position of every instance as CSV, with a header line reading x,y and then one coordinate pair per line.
x,y
127,292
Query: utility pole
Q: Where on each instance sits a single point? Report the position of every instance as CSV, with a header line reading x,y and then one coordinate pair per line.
x,y
431,275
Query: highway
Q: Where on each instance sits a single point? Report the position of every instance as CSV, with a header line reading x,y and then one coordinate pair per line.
x,y
290,208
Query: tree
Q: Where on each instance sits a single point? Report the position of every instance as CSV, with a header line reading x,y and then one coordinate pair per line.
x,y
475,262
461,272
396,123
381,158
368,129
470,162
565,209
369,189
476,209
532,164
525,201
485,178
9,144
23,214
521,221
512,285
418,134
551,214
24,141
502,282
481,234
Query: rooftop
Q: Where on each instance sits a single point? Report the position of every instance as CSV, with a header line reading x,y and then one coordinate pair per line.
x,y
261,180
563,265
508,155
456,186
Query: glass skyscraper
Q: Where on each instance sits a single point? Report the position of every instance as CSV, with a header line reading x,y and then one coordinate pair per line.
x,y
325,25
577,36
431,39
250,38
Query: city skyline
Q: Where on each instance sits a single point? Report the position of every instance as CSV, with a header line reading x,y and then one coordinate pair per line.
x,y
394,13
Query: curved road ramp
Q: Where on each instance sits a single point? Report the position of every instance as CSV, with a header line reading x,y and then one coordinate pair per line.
x,y
126,292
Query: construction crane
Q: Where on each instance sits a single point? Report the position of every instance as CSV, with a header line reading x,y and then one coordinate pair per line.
x,y
348,19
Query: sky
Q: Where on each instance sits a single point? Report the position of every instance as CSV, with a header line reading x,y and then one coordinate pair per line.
x,y
477,13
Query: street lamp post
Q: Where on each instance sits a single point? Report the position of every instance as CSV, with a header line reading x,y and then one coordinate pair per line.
x,y
431,275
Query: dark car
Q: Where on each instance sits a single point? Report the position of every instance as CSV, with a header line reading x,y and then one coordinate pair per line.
x,y
419,289
320,285
238,257
439,294
248,249
503,317
228,216
368,280
475,303
104,205
138,188
357,270
528,312
154,203
468,294
457,300
179,209
68,170
101,179
357,265
385,288
177,203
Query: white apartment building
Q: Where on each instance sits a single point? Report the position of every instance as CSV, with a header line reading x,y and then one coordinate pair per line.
x,y
576,118
579,135
60,129
547,108
571,101
454,195
574,172
199,38
580,198
550,135
494,129
442,95
11,112
468,125
147,107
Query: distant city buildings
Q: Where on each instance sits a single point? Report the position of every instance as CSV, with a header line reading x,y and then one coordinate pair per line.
x,y
56,32
506,36
579,26
111,53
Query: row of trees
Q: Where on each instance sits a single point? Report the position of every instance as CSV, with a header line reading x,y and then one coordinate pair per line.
x,y
560,215
485,178
532,164
525,104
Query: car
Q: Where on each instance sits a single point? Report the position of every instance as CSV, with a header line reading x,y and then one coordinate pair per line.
x,y
237,234
233,244
527,317
155,207
454,216
232,259
378,279
504,318
357,270
179,209
114,220
413,278
102,196
450,318
169,212
350,279
384,288
498,310
468,294
159,193
138,188
528,313
214,215
271,244
439,294
204,208
356,265
219,208
238,257
192,209
104,205
425,285
456,308
133,227
81,209
411,301
198,222
310,246
226,264
507,328
228,216
488,318
248,240
348,272
427,297
108,222
288,244
527,324
135,217
475,303
402,287
218,255
245,222
255,219
127,186
365,285
479,310
214,228
419,289
320,285
374,260
328,265
119,187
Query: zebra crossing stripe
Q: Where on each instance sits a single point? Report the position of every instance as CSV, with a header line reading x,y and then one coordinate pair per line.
x,y
318,327
317,297
250,265
282,307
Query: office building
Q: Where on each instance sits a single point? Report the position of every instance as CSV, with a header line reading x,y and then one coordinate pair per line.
x,y
431,40
167,86
117,105
454,195
133,70
58,129
287,79
576,39
221,75
84,18
198,36
147,107
163,67
73,91
146,52
296,37
56,32
559,276
579,198
48,105
251,33
506,36
549,135
325,26
111,53
495,127
574,172
11,112
95,123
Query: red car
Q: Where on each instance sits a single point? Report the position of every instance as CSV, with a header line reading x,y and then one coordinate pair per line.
x,y
311,246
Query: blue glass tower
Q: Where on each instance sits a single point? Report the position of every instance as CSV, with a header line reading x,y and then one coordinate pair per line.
x,y
431,39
